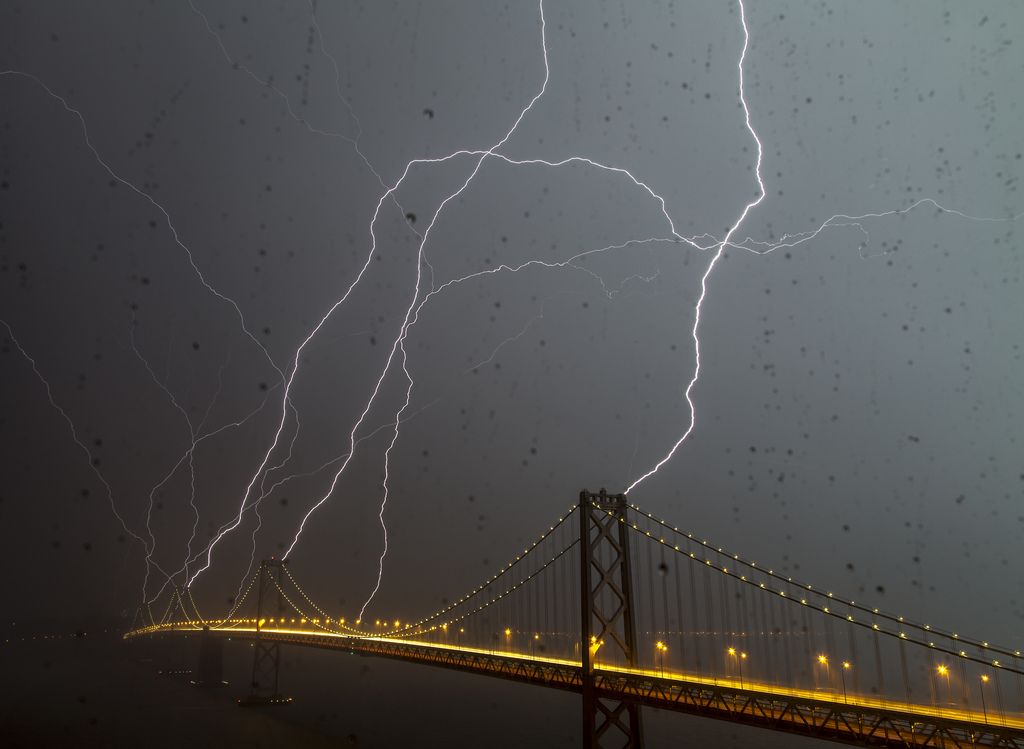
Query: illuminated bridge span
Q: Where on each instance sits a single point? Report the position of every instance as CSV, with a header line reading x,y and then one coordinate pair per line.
x,y
629,611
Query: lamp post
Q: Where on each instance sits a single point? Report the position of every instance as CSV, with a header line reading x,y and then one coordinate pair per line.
x,y
846,667
823,661
981,688
662,648
740,657
595,645
943,671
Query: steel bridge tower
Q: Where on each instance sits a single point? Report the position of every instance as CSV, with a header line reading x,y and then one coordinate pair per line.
x,y
606,617
266,657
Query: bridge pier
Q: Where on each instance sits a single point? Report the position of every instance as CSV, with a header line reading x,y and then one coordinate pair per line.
x,y
210,672
266,657
607,617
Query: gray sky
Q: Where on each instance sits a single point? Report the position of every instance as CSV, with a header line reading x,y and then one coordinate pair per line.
x,y
859,407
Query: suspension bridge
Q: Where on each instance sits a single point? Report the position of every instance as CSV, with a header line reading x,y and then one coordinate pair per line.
x,y
630,612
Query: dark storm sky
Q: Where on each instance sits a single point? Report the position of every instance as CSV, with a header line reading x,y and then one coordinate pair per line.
x,y
860,404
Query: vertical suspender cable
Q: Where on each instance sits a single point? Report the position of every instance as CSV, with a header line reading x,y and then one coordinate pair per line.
x,y
879,663
851,637
680,628
651,626
694,617
787,633
709,613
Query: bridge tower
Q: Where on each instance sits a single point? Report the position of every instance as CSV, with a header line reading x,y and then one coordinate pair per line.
x,y
607,617
266,657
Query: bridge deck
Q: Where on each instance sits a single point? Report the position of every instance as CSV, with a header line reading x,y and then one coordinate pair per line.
x,y
847,718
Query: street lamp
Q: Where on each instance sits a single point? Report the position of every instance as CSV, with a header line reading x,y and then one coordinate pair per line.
x,y
533,642
943,671
823,661
740,657
595,645
662,648
981,688
846,667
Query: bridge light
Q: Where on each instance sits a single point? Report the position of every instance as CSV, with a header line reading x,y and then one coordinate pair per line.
x,y
984,679
823,660
508,632
731,651
847,665
942,670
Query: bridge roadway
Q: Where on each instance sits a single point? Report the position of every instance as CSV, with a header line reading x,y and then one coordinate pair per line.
x,y
845,718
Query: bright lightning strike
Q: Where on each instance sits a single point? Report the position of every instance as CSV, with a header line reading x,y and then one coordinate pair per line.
x,y
714,261
412,306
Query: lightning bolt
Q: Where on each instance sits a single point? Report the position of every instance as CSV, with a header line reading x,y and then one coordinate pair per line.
x,y
76,439
196,437
698,308
419,274
153,202
511,339
151,548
